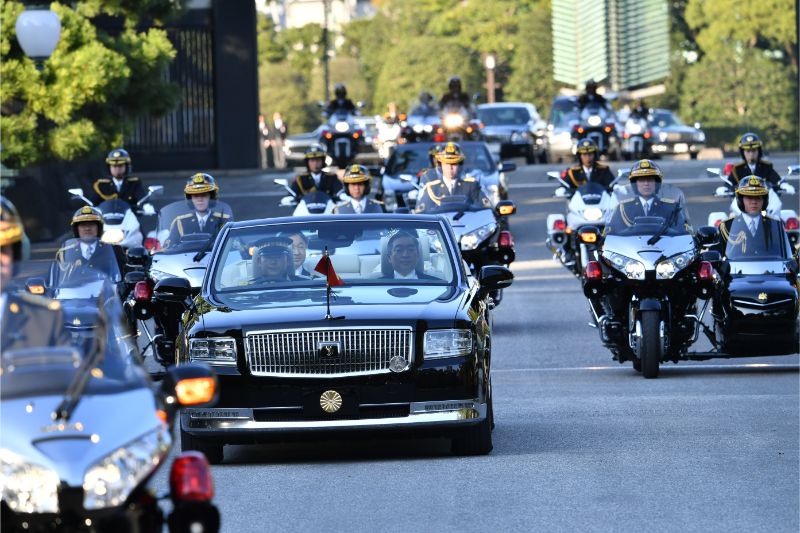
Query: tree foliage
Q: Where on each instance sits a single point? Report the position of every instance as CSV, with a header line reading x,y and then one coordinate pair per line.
x,y
90,91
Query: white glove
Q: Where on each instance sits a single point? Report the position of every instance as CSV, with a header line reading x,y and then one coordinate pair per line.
x,y
788,188
148,209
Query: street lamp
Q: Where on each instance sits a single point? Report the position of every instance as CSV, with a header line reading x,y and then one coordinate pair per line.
x,y
490,62
38,31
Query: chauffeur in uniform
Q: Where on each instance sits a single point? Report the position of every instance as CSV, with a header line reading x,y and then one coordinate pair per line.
x,y
315,179
200,190
748,234
120,184
25,320
588,168
751,150
356,186
272,261
451,160
645,179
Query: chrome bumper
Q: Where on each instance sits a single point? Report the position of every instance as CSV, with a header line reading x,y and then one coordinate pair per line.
x,y
236,421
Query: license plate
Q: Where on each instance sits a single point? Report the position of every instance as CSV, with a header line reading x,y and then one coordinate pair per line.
x,y
681,148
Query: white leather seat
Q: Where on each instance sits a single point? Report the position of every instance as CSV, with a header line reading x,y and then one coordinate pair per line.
x,y
236,274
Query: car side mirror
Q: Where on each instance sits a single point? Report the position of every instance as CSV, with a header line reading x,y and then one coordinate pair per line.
x,y
137,256
78,193
505,208
495,277
172,290
707,235
35,286
155,190
508,166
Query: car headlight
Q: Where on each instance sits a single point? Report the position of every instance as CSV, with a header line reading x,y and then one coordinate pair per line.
x,y
519,136
632,268
700,137
341,126
447,343
27,487
471,240
428,128
667,268
109,482
592,213
418,128
453,120
213,350
113,236
594,120
662,136
158,275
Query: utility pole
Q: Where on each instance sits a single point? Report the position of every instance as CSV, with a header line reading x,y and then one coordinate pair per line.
x,y
326,72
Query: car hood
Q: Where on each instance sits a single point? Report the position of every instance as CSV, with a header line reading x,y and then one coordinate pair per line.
x,y
504,129
365,305
676,129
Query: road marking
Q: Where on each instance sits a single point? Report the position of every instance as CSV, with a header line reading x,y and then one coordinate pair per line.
x,y
625,367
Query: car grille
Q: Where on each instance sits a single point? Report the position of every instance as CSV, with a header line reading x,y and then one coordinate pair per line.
x,y
678,137
297,353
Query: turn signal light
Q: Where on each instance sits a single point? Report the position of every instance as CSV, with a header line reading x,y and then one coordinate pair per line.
x,y
705,271
151,244
142,291
559,225
190,478
506,210
625,135
588,237
593,270
792,223
505,240
608,129
648,134
328,135
36,289
195,391
580,129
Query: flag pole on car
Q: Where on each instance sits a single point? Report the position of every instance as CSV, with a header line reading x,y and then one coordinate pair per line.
x,y
325,267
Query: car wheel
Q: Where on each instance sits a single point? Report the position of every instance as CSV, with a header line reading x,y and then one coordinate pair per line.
x,y
543,157
693,155
213,452
476,440
530,156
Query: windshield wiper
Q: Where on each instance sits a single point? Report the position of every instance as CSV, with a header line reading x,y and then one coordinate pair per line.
x,y
667,224
202,253
78,384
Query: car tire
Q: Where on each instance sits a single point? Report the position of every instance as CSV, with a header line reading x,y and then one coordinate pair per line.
x,y
476,440
693,155
213,452
530,156
543,157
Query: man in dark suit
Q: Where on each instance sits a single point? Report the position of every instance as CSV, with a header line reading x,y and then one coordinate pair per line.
x,y
299,250
119,184
315,179
201,191
25,320
751,150
356,187
402,253
645,180
752,234
588,168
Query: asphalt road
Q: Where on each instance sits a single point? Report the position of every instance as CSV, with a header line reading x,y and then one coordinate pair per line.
x,y
582,443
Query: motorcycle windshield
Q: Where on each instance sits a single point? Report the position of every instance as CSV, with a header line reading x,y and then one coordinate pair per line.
x,y
44,360
178,227
594,109
591,193
113,211
423,111
769,243
457,203
72,267
649,226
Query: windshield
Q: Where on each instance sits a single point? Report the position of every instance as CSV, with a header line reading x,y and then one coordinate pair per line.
x,y
648,225
281,256
72,269
179,230
43,360
592,109
664,119
456,203
424,110
496,116
410,159
768,244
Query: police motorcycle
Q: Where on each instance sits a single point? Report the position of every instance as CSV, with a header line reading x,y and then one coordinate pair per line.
x,y
121,225
791,222
755,309
644,288
457,124
636,138
422,123
598,123
84,430
590,205
341,138
311,203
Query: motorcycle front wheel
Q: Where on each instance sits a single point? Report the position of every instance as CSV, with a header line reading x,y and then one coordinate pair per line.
x,y
650,344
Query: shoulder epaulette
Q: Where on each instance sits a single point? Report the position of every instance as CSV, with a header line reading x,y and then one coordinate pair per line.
x,y
103,180
576,167
376,201
433,182
182,217
221,214
469,180
667,201
629,200
133,178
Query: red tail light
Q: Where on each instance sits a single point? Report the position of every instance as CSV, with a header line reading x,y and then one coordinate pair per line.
x,y
143,291
625,135
792,223
580,130
505,240
438,138
357,134
564,173
559,225
593,270
705,271
151,244
648,134
190,478
728,168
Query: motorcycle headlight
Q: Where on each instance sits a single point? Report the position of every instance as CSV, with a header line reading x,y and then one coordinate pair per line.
x,y
632,268
700,137
213,350
635,128
662,136
667,268
594,120
418,128
447,343
158,275
27,487
592,213
109,482
471,240
428,128
113,236
453,120
341,126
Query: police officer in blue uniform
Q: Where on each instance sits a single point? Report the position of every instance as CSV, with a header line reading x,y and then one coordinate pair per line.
x,y
751,150
588,168
356,186
119,183
451,183
201,191
315,179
